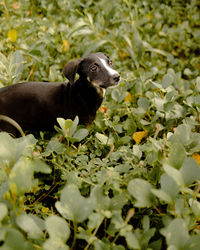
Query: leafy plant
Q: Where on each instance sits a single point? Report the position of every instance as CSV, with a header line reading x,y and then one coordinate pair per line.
x,y
131,180
71,131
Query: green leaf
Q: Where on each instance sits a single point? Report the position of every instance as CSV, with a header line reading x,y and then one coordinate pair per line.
x,y
131,240
12,149
57,227
169,186
175,174
169,189
147,235
68,124
167,80
71,131
102,201
146,223
82,32
22,174
177,155
31,224
198,83
163,196
102,244
136,151
16,66
61,122
117,223
104,139
193,243
176,233
143,103
141,190
80,134
109,16
54,146
7,149
95,219
3,211
3,62
195,205
53,73
190,171
15,240
73,206
181,135
118,95
74,125
187,72
159,103
59,233
117,202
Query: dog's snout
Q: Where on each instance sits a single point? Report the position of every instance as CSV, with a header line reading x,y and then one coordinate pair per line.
x,y
116,78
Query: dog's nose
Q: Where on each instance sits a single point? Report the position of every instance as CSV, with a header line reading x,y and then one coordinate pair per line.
x,y
116,78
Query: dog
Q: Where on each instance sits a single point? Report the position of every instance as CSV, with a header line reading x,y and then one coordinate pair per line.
x,y
35,106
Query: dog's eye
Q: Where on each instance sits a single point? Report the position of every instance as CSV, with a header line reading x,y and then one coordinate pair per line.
x,y
94,68
110,62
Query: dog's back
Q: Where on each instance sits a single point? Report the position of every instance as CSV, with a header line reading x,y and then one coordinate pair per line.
x,y
33,105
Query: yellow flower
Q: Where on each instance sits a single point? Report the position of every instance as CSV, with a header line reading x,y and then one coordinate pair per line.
x,y
138,136
12,35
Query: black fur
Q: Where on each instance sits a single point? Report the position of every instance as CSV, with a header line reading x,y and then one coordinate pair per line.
x,y
36,105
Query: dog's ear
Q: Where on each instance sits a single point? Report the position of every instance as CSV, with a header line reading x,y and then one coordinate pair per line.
x,y
71,69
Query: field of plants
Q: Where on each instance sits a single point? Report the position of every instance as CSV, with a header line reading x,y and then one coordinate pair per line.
x,y
131,180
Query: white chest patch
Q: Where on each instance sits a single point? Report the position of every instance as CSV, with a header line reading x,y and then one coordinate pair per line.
x,y
110,70
104,92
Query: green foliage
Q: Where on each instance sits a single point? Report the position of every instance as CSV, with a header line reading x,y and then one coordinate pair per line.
x,y
58,233
131,180
73,206
71,131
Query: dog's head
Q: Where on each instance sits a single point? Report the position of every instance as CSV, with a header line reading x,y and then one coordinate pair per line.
x,y
96,68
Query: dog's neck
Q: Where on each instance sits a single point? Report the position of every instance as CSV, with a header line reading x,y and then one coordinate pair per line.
x,y
90,90
100,91
89,99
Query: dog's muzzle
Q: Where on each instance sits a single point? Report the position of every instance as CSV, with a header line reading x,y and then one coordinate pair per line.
x,y
116,78
115,81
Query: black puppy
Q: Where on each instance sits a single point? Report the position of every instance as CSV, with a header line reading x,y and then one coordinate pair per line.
x,y
36,105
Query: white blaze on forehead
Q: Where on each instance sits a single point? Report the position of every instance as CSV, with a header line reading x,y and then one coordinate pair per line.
x,y
109,69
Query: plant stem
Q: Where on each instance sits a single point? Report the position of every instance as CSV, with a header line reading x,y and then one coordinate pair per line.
x,y
6,9
75,232
94,233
